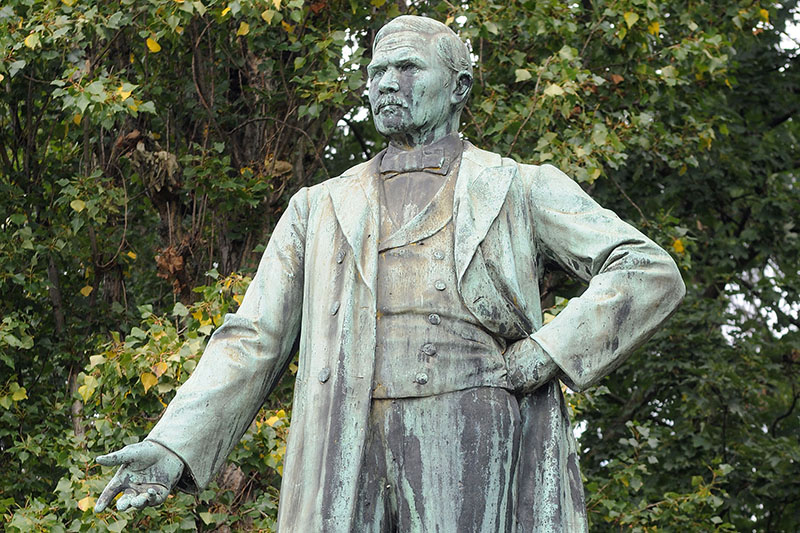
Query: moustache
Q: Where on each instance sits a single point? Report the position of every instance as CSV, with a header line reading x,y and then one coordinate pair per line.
x,y
390,100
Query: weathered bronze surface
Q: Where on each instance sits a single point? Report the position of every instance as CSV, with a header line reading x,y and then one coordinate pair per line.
x,y
412,283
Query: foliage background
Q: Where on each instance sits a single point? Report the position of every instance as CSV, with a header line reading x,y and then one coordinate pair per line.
x,y
147,149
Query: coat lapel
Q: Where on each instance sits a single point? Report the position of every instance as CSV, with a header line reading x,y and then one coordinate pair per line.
x,y
355,198
481,190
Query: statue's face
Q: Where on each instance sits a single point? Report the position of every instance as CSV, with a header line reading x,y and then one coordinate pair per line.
x,y
410,89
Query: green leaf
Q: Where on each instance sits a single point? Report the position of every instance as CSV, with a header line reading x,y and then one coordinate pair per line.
x,y
553,90
179,309
522,75
118,526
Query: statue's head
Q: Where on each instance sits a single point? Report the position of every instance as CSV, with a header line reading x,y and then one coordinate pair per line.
x,y
419,80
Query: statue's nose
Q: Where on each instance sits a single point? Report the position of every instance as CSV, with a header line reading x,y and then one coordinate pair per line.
x,y
388,82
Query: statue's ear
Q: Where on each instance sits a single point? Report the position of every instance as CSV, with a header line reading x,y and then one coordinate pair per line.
x,y
462,87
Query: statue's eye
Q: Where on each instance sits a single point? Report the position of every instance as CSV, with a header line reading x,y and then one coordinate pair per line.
x,y
408,67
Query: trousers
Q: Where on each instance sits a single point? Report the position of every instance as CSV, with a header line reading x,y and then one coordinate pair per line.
x,y
443,463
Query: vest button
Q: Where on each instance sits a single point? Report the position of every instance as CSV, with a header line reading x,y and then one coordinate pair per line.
x,y
340,256
440,285
421,378
429,349
335,307
438,255
434,319
324,374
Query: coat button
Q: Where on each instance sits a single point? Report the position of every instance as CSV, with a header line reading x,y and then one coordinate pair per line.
x,y
421,378
340,256
438,255
429,349
434,319
324,374
335,307
440,285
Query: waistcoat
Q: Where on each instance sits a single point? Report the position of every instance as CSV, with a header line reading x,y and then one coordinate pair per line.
x,y
428,341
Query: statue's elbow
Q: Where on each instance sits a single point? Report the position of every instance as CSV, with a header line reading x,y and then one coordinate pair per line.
x,y
674,286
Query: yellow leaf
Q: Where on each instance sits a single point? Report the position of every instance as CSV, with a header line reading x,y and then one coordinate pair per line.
x,y
2,77
654,27
69,3
553,90
132,58
179,30
271,420
225,11
159,368
244,29
132,255
288,27
280,413
77,205
449,20
86,392
276,3
198,315
764,14
677,245
87,290
153,45
19,394
178,1
237,298
86,503
32,40
148,380
77,119
682,170
123,94
630,18
267,15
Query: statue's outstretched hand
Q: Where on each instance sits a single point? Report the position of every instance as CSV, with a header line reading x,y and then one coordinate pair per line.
x,y
147,474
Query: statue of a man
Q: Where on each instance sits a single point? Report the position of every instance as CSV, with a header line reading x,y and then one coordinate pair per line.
x,y
427,395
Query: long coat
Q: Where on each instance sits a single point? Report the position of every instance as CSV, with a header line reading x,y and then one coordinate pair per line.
x,y
317,280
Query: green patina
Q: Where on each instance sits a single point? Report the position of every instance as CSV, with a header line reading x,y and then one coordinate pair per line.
x,y
321,281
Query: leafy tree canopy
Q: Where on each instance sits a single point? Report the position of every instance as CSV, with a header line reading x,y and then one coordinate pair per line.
x,y
147,149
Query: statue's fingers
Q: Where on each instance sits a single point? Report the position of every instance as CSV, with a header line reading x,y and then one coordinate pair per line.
x,y
126,499
156,496
114,487
140,501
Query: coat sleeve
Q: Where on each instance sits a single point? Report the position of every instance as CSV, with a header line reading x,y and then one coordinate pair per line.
x,y
634,285
243,360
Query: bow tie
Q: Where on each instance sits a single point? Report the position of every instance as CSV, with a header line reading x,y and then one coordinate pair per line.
x,y
426,159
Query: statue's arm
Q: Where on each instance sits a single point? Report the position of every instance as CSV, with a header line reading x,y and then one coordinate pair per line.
x,y
634,285
243,360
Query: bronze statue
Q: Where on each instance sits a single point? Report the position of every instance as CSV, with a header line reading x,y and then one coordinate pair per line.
x,y
428,392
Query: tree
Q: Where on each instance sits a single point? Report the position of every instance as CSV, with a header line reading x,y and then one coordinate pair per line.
x,y
148,148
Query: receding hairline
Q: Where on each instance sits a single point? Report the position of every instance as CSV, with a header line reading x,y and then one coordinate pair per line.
x,y
412,23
